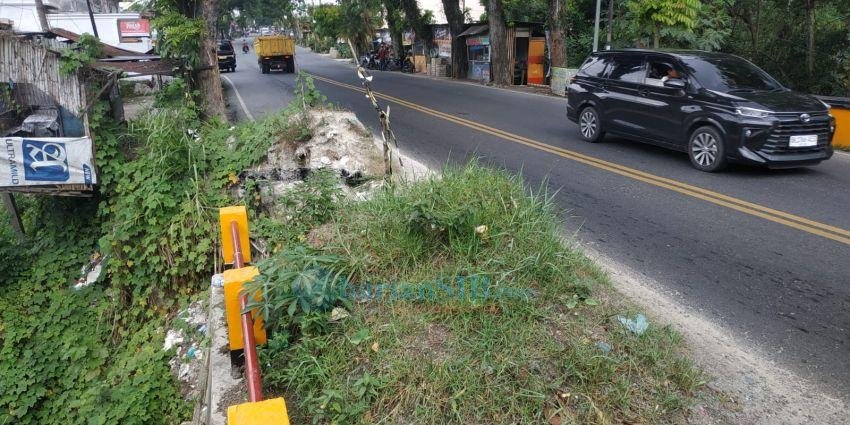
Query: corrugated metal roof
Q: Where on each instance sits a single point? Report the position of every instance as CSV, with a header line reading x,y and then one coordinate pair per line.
x,y
475,30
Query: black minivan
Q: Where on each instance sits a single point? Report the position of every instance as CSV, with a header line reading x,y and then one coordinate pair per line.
x,y
714,106
226,56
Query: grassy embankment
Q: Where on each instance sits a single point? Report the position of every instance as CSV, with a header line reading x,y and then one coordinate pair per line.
x,y
427,353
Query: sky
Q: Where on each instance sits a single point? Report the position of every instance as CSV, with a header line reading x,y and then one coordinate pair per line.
x,y
436,6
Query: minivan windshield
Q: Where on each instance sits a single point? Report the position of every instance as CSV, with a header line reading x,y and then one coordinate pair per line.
x,y
730,74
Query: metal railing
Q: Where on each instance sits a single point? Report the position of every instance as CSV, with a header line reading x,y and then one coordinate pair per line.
x,y
252,363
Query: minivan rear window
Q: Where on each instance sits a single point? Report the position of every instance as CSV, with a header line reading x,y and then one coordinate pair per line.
x,y
594,66
629,68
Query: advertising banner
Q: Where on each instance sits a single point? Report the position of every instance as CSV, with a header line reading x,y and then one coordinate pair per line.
x,y
46,161
134,28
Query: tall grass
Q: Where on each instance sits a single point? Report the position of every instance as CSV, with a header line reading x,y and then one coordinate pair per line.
x,y
472,360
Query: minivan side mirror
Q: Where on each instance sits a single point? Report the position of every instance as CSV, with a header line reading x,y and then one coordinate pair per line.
x,y
675,83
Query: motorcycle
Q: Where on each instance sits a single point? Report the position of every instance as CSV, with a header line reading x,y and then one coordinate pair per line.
x,y
245,48
369,61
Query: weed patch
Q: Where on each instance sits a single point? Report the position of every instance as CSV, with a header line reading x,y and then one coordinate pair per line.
x,y
463,359
96,355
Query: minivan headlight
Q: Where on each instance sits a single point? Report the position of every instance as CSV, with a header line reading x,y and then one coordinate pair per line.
x,y
752,112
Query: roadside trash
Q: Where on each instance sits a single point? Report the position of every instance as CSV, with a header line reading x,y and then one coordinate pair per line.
x,y
202,329
192,352
217,280
637,326
338,313
172,338
604,347
90,272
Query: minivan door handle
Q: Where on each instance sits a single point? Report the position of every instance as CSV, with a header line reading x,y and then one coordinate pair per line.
x,y
643,92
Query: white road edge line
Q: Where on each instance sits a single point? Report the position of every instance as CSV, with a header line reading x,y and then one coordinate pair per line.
x,y
239,98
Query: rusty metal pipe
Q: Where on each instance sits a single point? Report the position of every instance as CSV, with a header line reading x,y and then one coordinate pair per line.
x,y
252,363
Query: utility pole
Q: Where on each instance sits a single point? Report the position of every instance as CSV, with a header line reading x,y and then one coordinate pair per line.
x,y
596,26
42,16
91,18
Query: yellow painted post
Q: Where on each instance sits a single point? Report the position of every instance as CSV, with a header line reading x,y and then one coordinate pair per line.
x,y
227,215
266,412
842,128
234,280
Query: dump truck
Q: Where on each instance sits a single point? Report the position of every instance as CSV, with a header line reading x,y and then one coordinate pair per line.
x,y
275,52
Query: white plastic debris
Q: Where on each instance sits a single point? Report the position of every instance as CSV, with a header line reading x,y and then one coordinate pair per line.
x,y
637,326
172,338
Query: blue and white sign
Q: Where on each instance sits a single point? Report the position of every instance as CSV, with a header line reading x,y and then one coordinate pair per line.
x,y
46,161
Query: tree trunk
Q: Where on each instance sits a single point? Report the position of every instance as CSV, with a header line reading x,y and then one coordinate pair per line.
x,y
610,28
455,18
656,35
558,55
207,77
810,36
500,72
393,22
42,17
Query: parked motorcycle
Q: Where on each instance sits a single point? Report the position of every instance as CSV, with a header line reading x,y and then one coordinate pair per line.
x,y
370,61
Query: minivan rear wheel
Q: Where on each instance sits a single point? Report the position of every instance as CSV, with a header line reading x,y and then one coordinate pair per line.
x,y
707,149
589,125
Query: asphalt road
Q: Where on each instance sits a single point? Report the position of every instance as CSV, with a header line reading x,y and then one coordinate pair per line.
x,y
771,263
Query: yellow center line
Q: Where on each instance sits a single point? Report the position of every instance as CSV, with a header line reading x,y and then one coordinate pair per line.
x,y
800,223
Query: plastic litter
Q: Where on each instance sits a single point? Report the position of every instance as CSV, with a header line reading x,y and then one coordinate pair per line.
x,y
172,338
637,326
217,280
604,347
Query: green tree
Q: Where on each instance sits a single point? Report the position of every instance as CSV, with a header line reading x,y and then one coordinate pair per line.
x,y
455,18
358,21
188,30
658,14
327,23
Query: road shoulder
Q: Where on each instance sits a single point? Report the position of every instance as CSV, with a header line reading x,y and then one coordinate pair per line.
x,y
764,392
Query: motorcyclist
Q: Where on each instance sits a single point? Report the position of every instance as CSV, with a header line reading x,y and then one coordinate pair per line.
x,y
245,47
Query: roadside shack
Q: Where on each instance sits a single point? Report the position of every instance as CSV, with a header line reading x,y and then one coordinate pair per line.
x,y
526,44
47,145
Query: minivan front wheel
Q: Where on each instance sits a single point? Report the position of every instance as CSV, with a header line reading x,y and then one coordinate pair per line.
x,y
589,125
707,150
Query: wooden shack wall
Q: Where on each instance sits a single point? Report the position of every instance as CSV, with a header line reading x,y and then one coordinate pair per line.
x,y
35,66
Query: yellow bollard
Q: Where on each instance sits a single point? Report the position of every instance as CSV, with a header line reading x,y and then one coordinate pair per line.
x,y
227,215
234,280
266,412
